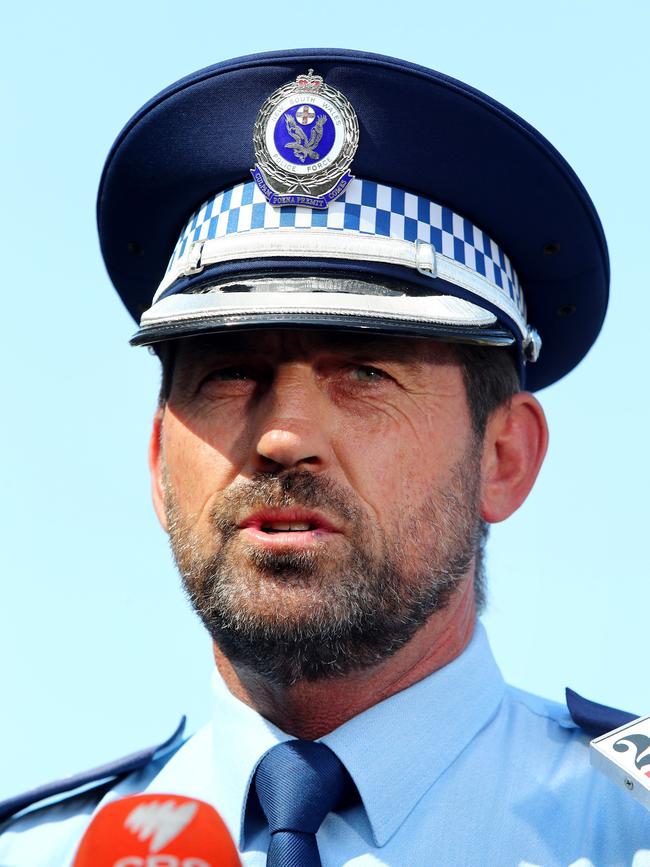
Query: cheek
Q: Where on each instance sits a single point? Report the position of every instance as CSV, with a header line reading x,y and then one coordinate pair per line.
x,y
387,463
396,462
197,468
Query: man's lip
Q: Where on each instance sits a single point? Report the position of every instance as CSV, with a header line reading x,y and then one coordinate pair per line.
x,y
316,521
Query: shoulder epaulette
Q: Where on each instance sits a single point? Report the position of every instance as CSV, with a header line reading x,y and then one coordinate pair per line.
x,y
115,771
595,719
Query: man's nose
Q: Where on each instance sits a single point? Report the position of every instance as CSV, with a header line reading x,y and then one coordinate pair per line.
x,y
295,423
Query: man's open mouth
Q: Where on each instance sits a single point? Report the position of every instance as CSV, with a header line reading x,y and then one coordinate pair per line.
x,y
295,520
279,527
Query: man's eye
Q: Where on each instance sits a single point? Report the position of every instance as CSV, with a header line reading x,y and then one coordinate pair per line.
x,y
234,379
230,374
365,373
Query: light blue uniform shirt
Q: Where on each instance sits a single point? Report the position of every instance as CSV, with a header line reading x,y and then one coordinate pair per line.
x,y
459,770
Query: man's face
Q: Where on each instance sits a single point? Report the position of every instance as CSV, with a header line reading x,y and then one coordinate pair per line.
x,y
321,493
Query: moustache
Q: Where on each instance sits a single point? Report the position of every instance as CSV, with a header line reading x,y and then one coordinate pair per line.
x,y
294,489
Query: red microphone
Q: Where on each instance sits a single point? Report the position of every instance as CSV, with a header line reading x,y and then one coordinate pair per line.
x,y
157,831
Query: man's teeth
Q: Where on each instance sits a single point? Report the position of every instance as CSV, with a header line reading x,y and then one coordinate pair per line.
x,y
285,527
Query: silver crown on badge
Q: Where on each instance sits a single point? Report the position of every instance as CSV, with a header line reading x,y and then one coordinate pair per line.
x,y
305,138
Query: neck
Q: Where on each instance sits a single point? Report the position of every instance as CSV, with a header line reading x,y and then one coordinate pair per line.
x,y
312,709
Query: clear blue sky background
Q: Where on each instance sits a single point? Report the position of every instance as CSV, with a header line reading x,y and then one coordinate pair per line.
x,y
100,654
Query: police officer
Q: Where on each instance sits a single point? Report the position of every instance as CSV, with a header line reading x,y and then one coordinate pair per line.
x,y
355,272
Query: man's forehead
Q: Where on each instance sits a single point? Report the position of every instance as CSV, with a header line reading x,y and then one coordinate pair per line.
x,y
295,342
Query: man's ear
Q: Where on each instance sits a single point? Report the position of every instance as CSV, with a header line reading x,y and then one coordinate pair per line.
x,y
515,443
156,468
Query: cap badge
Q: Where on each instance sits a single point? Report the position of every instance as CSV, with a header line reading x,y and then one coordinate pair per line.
x,y
305,138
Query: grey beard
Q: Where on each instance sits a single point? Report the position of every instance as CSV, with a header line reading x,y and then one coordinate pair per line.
x,y
364,607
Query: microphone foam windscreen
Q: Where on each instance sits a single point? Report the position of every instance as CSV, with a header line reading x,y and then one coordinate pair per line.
x,y
157,830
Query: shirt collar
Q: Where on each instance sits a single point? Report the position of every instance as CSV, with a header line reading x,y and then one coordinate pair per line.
x,y
416,734
393,751
240,738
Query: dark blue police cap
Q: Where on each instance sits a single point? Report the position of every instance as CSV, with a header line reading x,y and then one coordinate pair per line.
x,y
329,188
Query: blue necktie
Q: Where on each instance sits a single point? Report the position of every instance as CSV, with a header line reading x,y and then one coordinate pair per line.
x,y
298,783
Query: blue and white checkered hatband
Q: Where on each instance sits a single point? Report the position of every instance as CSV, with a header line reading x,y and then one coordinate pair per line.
x,y
371,223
